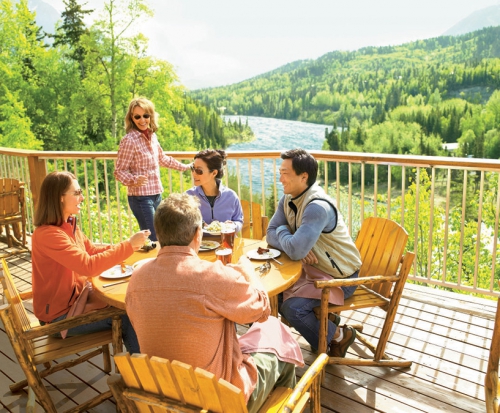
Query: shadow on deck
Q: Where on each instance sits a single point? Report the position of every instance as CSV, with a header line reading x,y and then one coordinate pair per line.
x,y
446,335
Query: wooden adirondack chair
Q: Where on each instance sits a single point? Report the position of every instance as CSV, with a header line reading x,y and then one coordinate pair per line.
x,y
491,383
254,223
174,386
381,243
12,209
34,346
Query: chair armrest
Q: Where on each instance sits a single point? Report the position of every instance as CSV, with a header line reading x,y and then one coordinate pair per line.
x,y
67,323
349,282
26,295
491,379
313,372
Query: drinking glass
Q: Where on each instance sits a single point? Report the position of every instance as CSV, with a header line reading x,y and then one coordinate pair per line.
x,y
227,234
224,255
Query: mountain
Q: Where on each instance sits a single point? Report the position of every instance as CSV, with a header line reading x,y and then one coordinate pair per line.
x,y
368,81
439,84
46,15
490,16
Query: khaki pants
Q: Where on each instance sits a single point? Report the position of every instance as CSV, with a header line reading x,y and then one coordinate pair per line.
x,y
271,373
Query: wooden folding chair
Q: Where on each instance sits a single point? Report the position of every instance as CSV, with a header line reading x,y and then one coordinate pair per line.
x,y
381,243
12,210
34,345
254,223
178,387
491,384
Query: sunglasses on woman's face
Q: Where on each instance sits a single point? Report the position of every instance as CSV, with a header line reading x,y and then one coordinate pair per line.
x,y
197,171
78,192
145,116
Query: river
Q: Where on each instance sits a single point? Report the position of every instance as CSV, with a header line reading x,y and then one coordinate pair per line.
x,y
273,135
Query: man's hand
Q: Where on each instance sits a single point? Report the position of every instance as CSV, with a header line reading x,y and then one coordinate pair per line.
x,y
249,272
310,258
248,269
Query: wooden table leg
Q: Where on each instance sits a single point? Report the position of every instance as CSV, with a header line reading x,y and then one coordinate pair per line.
x,y
274,305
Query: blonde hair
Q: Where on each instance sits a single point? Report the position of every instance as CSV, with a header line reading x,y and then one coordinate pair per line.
x,y
148,107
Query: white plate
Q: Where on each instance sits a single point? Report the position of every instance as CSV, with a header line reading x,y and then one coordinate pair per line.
x,y
211,233
213,224
141,262
116,272
254,255
209,245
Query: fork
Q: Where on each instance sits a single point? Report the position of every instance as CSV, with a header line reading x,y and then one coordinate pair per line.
x,y
111,284
279,262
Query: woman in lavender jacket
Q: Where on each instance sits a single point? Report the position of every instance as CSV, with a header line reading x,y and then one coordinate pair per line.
x,y
217,202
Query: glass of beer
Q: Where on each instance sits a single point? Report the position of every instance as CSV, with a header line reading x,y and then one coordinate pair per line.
x,y
224,255
227,234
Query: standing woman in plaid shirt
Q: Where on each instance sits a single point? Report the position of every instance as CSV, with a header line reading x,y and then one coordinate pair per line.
x,y
139,159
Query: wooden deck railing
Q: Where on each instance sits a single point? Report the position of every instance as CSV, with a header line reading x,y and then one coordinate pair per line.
x,y
449,206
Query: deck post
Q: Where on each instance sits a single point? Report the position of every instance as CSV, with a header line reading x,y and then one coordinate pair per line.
x,y
38,172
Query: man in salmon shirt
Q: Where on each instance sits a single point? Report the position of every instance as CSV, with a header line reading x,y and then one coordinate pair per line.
x,y
185,308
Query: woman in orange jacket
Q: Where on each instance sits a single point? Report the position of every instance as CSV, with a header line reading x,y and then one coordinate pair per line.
x,y
63,257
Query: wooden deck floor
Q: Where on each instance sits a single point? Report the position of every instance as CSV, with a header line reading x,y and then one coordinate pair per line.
x,y
446,335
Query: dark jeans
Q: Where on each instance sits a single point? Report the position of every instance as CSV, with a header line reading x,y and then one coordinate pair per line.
x,y
143,208
300,314
128,332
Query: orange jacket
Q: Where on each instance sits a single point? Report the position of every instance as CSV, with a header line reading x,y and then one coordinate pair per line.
x,y
62,258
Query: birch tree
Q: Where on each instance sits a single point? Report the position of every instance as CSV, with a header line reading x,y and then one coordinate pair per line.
x,y
111,41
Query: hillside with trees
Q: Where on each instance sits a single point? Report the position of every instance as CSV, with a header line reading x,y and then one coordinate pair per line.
x,y
406,99
70,90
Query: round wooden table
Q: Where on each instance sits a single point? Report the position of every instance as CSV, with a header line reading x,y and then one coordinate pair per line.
x,y
276,280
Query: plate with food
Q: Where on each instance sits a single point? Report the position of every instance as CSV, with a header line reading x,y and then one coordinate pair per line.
x,y
263,254
139,263
213,228
209,245
118,271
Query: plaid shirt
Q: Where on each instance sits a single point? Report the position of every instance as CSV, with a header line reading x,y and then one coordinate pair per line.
x,y
139,155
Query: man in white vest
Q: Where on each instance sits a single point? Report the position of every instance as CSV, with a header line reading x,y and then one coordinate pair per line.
x,y
308,227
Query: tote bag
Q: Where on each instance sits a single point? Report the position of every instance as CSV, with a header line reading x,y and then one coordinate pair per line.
x,y
85,302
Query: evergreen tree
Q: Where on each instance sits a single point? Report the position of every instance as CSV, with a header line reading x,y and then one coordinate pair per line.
x,y
332,138
479,147
34,37
72,29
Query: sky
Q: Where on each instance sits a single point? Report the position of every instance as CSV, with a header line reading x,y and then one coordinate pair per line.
x,y
219,42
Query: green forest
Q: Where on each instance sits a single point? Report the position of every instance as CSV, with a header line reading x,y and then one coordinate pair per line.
x,y
70,89
406,99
